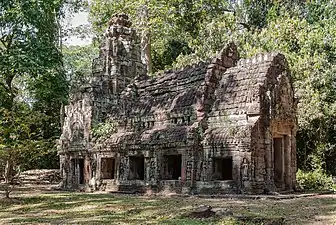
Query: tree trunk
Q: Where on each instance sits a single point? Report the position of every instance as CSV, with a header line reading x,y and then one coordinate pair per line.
x,y
8,171
8,178
7,191
145,39
62,115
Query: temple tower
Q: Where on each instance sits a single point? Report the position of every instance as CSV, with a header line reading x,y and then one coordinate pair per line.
x,y
120,56
118,63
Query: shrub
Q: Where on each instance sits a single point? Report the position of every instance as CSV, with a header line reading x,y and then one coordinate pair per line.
x,y
314,180
104,129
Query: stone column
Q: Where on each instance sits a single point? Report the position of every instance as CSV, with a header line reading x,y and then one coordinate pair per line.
x,y
288,172
245,175
184,169
87,170
293,160
64,170
269,160
283,160
150,168
77,172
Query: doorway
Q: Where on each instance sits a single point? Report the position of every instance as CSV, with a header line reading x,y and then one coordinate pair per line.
x,y
107,168
137,169
173,167
278,161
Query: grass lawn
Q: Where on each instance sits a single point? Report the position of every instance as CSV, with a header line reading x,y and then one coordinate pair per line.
x,y
47,207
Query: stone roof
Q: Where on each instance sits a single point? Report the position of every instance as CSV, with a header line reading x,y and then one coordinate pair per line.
x,y
239,88
148,99
238,98
155,136
169,91
233,94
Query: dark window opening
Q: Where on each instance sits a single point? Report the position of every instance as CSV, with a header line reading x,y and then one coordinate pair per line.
x,y
174,120
137,170
81,170
73,165
222,169
78,169
173,167
107,168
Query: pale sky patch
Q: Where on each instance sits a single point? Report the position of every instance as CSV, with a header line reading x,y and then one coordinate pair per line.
x,y
80,18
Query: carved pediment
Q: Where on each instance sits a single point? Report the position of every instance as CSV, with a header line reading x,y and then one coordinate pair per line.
x,y
285,102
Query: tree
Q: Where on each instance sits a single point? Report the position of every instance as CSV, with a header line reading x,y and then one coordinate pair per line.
x,y
78,63
20,135
32,78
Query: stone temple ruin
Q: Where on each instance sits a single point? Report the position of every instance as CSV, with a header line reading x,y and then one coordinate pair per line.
x,y
226,125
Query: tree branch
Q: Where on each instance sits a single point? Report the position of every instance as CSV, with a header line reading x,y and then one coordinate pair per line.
x,y
245,25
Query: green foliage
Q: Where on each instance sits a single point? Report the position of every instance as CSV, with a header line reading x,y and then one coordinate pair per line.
x,y
173,25
104,129
33,83
78,63
28,38
22,138
217,32
170,53
314,180
40,155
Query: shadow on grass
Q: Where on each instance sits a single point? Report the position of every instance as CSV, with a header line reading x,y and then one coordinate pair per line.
x,y
80,208
88,208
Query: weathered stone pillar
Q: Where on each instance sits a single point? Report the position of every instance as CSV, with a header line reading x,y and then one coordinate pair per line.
x,y
184,169
87,170
293,160
269,160
288,149
150,170
283,160
63,171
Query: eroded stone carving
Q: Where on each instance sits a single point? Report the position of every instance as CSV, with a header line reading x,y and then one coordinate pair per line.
x,y
245,170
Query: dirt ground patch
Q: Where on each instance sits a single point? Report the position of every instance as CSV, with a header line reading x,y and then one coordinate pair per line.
x,y
40,204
